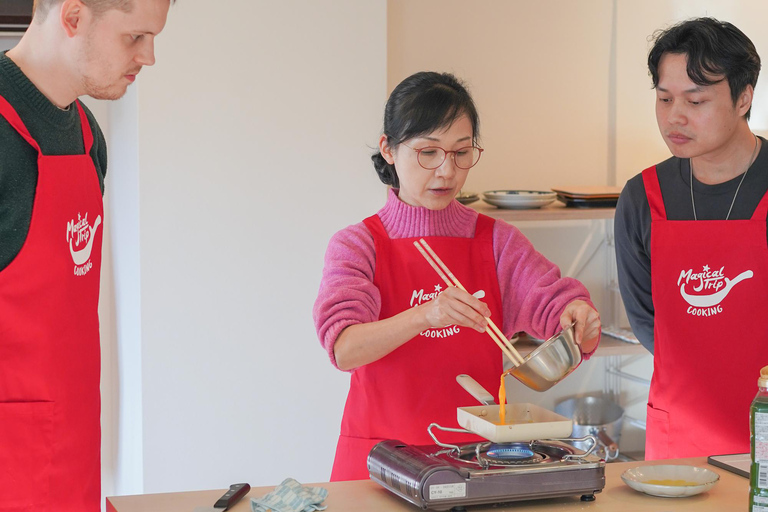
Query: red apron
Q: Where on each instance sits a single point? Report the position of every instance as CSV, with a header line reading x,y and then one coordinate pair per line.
x,y
398,396
49,341
710,285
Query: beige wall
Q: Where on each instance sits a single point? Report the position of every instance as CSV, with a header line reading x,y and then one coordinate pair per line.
x,y
562,86
538,72
639,144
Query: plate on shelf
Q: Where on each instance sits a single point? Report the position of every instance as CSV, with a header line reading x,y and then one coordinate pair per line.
x,y
519,199
670,480
467,197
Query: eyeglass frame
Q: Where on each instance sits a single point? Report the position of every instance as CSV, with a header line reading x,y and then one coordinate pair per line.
x,y
418,154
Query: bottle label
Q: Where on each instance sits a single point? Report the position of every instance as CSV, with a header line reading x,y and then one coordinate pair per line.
x,y
761,437
762,475
759,504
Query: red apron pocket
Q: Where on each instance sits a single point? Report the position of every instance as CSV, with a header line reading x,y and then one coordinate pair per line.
x,y
656,434
25,455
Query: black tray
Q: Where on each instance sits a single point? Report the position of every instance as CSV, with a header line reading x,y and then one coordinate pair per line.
x,y
588,203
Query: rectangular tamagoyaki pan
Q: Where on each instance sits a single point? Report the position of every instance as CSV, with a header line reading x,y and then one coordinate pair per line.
x,y
524,422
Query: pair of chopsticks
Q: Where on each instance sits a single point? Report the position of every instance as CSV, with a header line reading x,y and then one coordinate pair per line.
x,y
450,280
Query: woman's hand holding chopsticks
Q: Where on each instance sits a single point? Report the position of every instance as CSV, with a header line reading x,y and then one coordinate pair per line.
x,y
454,306
361,344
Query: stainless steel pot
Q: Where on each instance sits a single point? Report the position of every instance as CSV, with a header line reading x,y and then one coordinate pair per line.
x,y
597,416
551,362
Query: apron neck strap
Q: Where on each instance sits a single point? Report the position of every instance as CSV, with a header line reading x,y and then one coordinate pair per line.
x,y
761,212
86,126
653,192
10,114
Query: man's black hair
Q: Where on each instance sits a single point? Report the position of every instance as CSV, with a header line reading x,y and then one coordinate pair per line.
x,y
715,50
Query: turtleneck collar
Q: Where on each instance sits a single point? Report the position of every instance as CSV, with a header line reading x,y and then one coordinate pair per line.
x,y
402,220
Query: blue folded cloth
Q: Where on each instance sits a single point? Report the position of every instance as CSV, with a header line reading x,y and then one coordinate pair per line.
x,y
291,496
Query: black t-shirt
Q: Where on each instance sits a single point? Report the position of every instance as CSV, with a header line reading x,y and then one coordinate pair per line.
x,y
632,225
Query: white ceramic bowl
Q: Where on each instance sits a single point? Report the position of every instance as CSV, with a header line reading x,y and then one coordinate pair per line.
x,y
518,199
670,481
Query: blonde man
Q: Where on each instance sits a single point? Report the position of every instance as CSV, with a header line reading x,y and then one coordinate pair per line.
x,y
52,164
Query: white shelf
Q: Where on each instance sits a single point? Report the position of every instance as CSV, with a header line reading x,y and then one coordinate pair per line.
x,y
554,211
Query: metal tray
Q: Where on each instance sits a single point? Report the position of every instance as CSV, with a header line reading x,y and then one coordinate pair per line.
x,y
525,422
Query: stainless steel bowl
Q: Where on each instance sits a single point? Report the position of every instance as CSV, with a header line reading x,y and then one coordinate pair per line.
x,y
550,363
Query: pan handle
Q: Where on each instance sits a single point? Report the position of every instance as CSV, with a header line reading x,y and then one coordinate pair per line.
x,y
611,448
474,388
446,429
570,456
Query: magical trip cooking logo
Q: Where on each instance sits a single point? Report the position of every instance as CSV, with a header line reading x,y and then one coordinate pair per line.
x,y
80,236
714,285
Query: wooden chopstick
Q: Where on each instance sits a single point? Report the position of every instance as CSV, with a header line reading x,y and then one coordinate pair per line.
x,y
495,334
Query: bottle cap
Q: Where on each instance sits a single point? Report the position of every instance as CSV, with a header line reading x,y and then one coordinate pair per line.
x,y
763,380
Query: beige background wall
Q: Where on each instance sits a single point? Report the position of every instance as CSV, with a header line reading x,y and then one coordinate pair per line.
x,y
562,86
639,144
538,72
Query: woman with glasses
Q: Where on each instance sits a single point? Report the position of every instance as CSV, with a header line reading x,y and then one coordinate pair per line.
x,y
383,313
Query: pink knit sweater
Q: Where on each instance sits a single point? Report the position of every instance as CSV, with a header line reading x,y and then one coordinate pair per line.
x,y
533,293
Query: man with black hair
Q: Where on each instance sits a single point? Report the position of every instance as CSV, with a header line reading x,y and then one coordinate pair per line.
x,y
691,243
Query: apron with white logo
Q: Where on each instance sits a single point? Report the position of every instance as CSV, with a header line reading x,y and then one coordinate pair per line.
x,y
710,292
49,340
398,396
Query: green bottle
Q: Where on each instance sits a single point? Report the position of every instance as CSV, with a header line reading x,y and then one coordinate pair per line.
x,y
758,429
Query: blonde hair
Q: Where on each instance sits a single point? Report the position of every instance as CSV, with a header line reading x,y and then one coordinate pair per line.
x,y
99,7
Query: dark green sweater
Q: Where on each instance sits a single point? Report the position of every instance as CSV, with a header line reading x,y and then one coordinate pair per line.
x,y
56,131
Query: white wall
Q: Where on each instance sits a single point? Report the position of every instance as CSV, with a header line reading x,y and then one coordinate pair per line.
x,y
252,149
8,40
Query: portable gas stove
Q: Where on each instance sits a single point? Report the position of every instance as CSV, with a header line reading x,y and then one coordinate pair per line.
x,y
454,476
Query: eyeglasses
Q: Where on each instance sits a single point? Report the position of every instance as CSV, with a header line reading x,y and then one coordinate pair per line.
x,y
432,157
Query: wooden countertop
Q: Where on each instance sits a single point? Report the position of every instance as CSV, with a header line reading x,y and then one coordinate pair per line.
x,y
730,493
553,211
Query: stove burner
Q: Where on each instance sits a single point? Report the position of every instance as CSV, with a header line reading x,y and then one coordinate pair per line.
x,y
512,453
488,454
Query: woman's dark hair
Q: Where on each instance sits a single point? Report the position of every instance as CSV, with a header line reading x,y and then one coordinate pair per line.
x,y
421,104
715,49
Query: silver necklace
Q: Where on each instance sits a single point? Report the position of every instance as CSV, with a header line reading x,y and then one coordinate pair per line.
x,y
749,164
